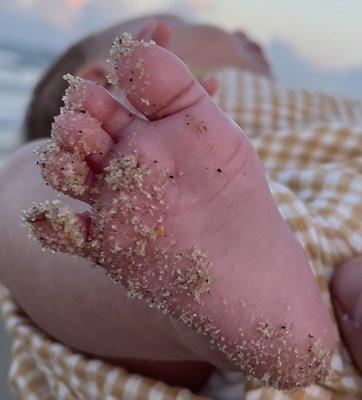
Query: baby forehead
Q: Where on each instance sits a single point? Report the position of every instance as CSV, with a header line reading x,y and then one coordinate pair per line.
x,y
182,31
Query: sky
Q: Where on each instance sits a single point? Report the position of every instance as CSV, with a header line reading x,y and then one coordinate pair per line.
x,y
325,32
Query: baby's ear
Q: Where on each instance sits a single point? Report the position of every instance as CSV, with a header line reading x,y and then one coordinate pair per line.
x,y
96,71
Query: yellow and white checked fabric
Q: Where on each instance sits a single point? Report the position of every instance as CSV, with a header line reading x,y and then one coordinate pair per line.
x,y
311,147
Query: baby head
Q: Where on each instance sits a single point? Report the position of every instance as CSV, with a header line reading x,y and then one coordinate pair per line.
x,y
201,47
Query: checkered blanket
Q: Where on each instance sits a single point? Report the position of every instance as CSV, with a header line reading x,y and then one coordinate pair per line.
x,y
311,147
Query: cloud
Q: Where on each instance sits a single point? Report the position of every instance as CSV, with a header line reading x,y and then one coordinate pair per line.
x,y
71,12
36,23
54,24
61,12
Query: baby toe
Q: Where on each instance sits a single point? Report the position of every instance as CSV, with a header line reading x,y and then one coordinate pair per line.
x,y
87,96
154,80
81,134
65,172
57,228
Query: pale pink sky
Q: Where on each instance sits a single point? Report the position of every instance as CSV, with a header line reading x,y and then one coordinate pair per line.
x,y
326,32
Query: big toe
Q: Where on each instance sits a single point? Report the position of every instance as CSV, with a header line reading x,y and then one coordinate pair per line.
x,y
155,81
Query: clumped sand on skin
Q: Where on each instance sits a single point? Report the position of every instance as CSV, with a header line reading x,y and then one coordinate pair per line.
x,y
269,349
125,172
139,203
80,145
196,279
123,46
73,98
67,233
73,169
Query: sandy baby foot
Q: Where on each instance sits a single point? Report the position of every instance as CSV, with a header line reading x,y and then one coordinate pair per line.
x,y
181,215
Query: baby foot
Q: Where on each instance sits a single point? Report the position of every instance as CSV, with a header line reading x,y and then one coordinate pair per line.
x,y
346,290
181,215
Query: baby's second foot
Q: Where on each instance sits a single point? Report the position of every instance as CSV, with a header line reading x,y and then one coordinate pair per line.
x,y
181,215
346,290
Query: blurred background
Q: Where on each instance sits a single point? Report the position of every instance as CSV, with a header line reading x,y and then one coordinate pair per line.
x,y
311,43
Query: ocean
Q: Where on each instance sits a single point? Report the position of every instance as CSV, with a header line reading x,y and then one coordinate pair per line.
x,y
19,71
